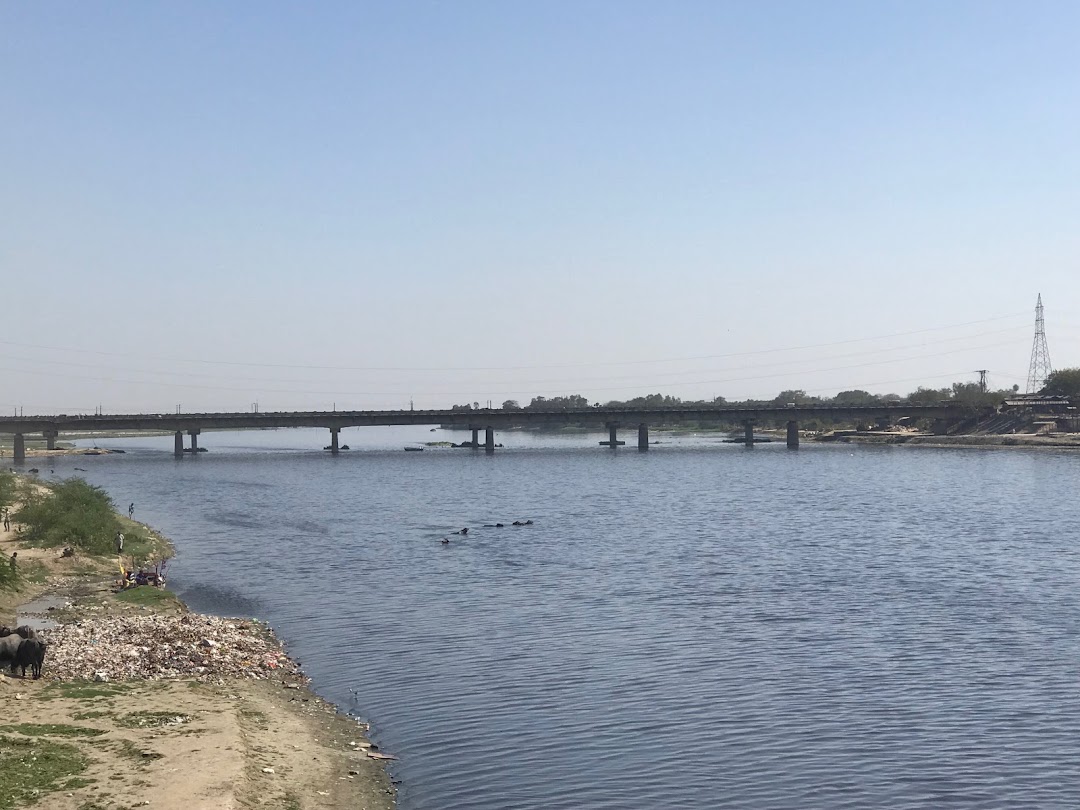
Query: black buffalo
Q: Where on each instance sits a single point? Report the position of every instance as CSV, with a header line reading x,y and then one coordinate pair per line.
x,y
31,653
23,631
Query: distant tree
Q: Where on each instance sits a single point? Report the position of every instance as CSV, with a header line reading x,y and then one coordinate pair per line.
x,y
929,396
511,405
1064,382
855,397
798,396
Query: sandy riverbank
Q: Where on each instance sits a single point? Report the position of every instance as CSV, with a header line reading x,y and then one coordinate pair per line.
x,y
200,740
1052,441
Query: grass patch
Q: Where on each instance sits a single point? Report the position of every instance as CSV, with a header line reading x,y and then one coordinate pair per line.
x,y
82,689
34,571
152,719
128,749
148,596
91,715
32,768
52,730
255,716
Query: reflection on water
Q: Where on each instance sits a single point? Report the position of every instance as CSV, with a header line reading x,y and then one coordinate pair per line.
x,y
697,626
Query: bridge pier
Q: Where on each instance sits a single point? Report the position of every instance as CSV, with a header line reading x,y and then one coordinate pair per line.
x,y
941,427
178,444
334,440
643,437
19,448
476,438
748,432
489,440
194,434
613,439
50,439
793,435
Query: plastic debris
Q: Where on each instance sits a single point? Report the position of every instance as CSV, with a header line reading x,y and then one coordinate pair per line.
x,y
161,647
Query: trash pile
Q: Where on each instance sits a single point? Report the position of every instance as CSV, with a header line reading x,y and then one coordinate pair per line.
x,y
159,647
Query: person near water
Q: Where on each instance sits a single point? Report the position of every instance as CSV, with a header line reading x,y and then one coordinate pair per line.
x,y
119,542
131,510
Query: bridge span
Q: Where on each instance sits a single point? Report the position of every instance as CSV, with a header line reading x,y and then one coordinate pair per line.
x,y
489,420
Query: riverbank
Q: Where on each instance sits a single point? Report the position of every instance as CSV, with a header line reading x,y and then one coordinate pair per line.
x,y
912,439
144,703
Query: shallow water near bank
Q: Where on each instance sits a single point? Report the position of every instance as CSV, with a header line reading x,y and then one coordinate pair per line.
x,y
698,626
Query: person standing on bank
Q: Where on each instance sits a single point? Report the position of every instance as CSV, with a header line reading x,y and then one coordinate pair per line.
x,y
131,510
119,542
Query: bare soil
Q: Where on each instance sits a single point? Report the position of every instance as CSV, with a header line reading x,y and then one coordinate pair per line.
x,y
177,744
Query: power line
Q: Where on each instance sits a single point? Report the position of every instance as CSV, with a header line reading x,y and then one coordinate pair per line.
x,y
594,364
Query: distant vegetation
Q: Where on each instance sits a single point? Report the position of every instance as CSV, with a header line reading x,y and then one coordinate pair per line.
x,y
1064,382
959,393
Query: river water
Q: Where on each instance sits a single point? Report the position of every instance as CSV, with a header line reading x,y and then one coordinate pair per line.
x,y
703,625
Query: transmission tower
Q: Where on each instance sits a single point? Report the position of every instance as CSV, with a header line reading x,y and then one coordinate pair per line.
x,y
1040,367
982,378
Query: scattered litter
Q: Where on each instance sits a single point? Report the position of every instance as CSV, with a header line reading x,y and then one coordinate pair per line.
x,y
104,649
268,770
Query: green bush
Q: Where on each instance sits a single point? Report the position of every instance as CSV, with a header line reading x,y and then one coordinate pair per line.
x,y
7,488
74,513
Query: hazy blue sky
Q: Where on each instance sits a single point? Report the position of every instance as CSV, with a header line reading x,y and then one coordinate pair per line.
x,y
213,204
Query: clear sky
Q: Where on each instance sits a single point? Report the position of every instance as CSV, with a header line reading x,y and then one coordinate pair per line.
x,y
355,204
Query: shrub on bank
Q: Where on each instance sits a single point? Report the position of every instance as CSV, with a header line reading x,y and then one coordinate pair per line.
x,y
7,489
74,513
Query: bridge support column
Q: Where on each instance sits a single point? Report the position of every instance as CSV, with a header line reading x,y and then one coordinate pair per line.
x,y
748,432
941,427
489,440
178,444
643,437
19,448
475,438
50,439
793,435
194,434
613,438
334,440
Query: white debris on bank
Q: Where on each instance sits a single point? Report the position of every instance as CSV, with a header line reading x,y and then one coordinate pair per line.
x,y
160,647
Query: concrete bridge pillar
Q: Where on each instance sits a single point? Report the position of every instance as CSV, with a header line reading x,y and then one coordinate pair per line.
x,y
941,427
475,438
613,436
748,432
334,439
194,434
643,437
793,435
178,444
50,439
489,440
19,448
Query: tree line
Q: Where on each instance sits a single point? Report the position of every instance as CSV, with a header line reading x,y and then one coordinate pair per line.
x,y
964,393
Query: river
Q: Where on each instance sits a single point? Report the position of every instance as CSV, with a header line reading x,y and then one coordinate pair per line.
x,y
703,625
